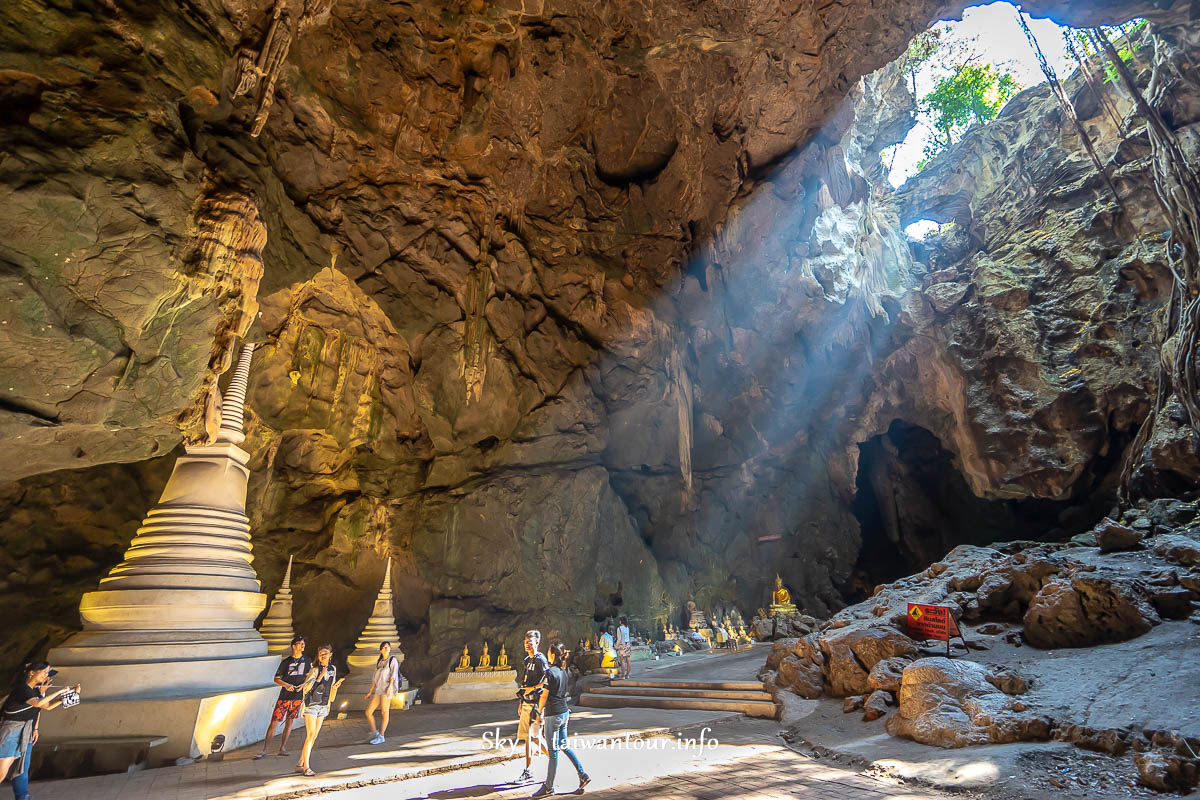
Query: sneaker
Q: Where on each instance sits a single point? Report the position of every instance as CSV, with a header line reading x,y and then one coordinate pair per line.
x,y
584,780
526,777
544,791
377,739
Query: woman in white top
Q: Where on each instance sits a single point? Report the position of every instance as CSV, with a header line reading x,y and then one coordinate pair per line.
x,y
385,684
624,649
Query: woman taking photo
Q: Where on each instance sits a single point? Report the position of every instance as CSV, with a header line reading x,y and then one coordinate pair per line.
x,y
320,687
553,706
385,684
19,721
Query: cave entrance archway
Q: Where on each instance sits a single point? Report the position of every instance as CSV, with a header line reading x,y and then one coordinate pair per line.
x,y
913,506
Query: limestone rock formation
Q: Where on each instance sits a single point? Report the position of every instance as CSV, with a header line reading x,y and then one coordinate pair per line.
x,y
554,298
951,703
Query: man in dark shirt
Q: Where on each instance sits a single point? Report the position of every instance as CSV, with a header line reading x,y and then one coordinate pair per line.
x,y
290,678
532,683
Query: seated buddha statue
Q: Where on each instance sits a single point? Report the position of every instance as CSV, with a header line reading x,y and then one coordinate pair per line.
x,y
781,599
502,662
485,660
464,663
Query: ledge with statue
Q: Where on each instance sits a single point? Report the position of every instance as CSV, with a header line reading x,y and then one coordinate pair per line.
x,y
480,683
781,620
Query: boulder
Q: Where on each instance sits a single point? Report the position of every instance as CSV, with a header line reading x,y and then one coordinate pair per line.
x,y
886,674
1182,547
1172,602
1112,536
1087,609
802,677
952,703
853,703
853,651
1165,771
876,705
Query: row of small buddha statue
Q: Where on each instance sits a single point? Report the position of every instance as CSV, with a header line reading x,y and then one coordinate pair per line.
x,y
485,661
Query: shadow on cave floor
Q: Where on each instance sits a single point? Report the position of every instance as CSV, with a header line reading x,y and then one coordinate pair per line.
x,y
914,506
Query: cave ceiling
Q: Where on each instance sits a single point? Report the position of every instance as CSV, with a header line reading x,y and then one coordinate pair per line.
x,y
502,255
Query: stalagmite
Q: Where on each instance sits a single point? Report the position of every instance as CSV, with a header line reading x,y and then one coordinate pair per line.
x,y
168,644
276,627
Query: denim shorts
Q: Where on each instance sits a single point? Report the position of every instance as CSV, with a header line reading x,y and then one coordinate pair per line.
x,y
320,712
10,741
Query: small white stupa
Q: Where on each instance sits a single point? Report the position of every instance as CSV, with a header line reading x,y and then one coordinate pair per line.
x,y
276,627
168,645
380,628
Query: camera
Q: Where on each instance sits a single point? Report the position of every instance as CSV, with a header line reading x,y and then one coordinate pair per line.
x,y
69,698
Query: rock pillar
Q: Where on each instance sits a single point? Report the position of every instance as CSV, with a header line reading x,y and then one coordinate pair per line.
x,y
168,639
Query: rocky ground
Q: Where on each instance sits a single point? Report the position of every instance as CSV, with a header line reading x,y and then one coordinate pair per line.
x,y
1080,676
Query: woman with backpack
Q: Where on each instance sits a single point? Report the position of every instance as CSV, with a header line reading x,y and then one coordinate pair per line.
x,y
384,685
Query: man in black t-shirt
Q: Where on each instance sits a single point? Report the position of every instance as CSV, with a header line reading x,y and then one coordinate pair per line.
x,y
290,678
533,679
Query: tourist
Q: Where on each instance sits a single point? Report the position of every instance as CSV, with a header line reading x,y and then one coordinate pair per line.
x,y
290,680
533,678
384,685
555,712
606,641
624,649
19,717
319,690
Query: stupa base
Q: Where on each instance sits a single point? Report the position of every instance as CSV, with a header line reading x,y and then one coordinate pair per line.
x,y
477,687
354,694
189,723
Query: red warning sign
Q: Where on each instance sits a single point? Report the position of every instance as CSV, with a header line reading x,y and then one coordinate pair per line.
x,y
931,622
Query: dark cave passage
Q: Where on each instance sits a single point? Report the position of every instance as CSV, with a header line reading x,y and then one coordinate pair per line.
x,y
914,506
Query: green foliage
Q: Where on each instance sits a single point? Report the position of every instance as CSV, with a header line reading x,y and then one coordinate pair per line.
x,y
972,93
1083,43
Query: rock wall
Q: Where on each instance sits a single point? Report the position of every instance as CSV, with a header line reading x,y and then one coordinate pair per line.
x,y
565,306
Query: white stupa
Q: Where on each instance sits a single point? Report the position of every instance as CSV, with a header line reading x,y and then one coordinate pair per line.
x,y
276,627
168,645
380,628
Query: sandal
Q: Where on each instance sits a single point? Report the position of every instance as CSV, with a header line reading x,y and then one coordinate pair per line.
x,y
257,756
283,753
308,773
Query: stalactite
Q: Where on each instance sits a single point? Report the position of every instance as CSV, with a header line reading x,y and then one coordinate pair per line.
x,y
476,338
682,391
288,18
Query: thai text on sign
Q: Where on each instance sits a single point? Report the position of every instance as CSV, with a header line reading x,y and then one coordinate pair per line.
x,y
931,622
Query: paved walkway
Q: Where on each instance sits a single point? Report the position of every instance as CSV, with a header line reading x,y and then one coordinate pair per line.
x,y
742,764
467,751
428,739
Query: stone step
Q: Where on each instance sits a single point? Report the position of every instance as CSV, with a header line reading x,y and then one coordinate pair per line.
x,y
751,708
716,686
661,691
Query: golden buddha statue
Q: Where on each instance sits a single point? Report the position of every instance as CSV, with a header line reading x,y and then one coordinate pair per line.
x,y
502,662
485,660
464,663
781,599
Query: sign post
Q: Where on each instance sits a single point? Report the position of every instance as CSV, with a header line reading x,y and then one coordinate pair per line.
x,y
933,622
